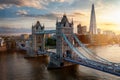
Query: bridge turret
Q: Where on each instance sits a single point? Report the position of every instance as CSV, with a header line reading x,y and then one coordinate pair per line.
x,y
38,41
38,27
63,27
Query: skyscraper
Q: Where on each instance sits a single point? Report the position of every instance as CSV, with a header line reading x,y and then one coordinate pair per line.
x,y
92,28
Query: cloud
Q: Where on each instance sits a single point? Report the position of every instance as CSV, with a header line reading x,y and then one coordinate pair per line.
x,y
27,3
21,3
53,4
6,30
49,16
22,12
52,16
108,24
79,14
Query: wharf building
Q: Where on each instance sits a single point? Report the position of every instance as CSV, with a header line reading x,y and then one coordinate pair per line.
x,y
82,30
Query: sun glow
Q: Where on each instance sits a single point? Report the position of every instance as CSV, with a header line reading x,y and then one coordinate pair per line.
x,y
109,19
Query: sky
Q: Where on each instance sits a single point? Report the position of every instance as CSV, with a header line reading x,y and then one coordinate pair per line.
x,y
18,16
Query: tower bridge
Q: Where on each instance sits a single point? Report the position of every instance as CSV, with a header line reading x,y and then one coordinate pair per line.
x,y
66,50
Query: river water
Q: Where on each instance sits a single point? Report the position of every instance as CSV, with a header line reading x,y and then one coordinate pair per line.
x,y
13,66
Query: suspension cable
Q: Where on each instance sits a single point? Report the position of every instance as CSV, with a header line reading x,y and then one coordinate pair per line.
x,y
87,50
72,47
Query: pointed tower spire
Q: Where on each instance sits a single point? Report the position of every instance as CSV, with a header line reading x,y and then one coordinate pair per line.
x,y
92,28
64,19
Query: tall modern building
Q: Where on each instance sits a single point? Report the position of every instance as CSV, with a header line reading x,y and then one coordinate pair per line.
x,y
93,27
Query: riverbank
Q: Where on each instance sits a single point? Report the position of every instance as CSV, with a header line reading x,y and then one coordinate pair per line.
x,y
2,49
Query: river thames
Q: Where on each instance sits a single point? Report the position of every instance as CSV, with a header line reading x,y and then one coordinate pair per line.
x,y
13,66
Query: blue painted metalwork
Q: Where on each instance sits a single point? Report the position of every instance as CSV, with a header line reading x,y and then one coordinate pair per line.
x,y
89,51
114,70
82,60
72,47
46,32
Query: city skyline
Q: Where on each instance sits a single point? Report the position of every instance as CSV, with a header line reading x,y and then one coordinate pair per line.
x,y
22,14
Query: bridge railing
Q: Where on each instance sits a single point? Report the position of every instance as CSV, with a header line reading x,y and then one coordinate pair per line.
x,y
96,65
103,66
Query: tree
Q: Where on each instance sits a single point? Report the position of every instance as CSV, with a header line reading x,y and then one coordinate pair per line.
x,y
51,42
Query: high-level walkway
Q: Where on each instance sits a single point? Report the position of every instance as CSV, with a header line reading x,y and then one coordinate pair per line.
x,y
46,32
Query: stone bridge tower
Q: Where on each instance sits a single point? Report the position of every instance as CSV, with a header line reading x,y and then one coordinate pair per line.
x,y
62,48
38,42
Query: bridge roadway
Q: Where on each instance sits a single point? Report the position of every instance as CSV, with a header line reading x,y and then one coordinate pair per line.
x,y
112,68
108,68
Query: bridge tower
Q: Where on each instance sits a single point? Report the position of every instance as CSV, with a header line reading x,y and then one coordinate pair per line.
x,y
38,41
62,48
